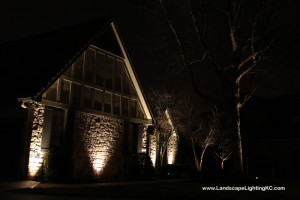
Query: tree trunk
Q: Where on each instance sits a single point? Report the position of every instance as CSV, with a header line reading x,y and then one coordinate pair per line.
x,y
195,156
201,159
222,165
237,139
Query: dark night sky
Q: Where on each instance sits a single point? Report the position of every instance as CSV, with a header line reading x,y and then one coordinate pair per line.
x,y
23,19
20,19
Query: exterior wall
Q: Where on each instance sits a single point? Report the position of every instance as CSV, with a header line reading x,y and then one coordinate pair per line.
x,y
35,153
98,147
172,148
144,140
152,148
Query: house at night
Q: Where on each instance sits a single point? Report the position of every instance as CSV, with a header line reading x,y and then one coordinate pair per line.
x,y
88,116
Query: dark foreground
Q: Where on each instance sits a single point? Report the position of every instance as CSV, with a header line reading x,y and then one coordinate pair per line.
x,y
174,189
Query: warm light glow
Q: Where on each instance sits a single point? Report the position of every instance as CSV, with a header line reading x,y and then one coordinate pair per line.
x,y
36,155
170,159
152,149
173,142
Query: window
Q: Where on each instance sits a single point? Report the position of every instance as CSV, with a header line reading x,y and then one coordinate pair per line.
x,y
118,74
98,99
117,103
87,97
132,108
51,93
76,94
108,72
77,67
140,113
132,90
125,106
107,102
125,82
65,91
89,65
99,62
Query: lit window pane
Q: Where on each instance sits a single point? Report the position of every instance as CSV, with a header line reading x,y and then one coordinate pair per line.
x,y
140,113
125,82
65,92
99,63
77,68
108,72
132,108
117,102
76,94
87,97
125,106
52,92
98,100
89,65
107,102
118,73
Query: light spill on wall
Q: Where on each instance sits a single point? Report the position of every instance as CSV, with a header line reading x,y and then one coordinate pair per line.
x,y
152,148
173,142
172,148
100,139
144,139
35,153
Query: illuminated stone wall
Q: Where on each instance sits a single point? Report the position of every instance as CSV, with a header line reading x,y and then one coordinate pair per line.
x,y
35,153
172,148
144,139
152,148
98,146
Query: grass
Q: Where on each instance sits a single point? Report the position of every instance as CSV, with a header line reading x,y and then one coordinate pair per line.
x,y
164,190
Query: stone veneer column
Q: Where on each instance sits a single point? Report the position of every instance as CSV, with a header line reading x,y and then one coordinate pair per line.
x,y
172,148
98,146
35,154
144,139
152,148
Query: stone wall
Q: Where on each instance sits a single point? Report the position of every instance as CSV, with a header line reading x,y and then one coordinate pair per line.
x,y
144,139
98,147
152,148
172,148
35,154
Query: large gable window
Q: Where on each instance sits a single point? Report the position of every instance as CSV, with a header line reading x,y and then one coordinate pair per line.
x,y
77,67
132,108
51,93
108,72
98,99
99,68
87,97
65,91
107,102
117,104
125,106
76,94
89,64
118,74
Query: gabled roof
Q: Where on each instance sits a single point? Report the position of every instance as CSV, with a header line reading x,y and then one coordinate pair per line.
x,y
32,65
28,65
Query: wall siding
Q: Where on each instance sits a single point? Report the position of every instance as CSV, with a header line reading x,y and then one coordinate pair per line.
x,y
35,154
98,146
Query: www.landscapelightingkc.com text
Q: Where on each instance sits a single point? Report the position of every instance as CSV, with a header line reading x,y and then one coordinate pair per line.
x,y
242,188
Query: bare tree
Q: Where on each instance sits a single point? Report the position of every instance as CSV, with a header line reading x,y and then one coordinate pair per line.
x,y
205,137
245,38
223,150
164,109
201,128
